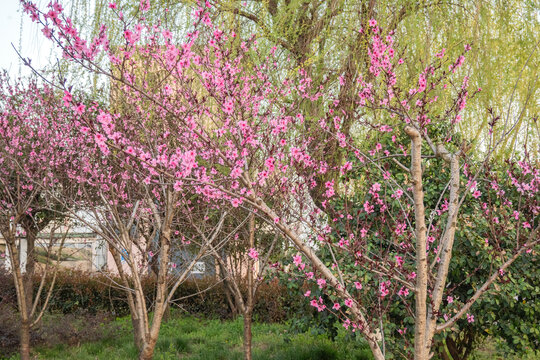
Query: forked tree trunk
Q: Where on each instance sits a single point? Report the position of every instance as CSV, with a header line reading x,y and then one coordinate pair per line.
x,y
136,321
161,302
147,352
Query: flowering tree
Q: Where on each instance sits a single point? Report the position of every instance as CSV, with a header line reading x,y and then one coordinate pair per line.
x,y
148,222
232,133
144,222
243,263
145,228
33,124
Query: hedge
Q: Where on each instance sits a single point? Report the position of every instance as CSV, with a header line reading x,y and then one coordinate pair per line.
x,y
77,291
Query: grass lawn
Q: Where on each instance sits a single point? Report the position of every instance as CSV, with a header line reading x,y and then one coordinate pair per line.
x,y
186,337
192,338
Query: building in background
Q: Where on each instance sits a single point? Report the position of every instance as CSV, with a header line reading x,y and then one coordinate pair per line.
x,y
84,250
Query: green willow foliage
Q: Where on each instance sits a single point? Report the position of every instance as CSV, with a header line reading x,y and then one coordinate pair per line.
x,y
504,60
323,37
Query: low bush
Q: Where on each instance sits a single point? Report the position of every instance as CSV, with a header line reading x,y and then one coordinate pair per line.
x,y
93,293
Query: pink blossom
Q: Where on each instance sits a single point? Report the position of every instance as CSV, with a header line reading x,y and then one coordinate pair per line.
x,y
228,107
399,261
235,202
144,5
403,291
297,259
252,253
329,188
397,194
363,232
384,288
80,109
67,98
47,32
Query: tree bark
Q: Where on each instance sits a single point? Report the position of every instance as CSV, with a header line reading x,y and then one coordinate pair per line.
x,y
249,306
25,340
161,293
147,352
247,335
420,346
445,254
24,331
28,277
28,285
136,321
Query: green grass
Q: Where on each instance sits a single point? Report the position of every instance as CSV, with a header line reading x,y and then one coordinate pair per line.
x,y
192,338
488,351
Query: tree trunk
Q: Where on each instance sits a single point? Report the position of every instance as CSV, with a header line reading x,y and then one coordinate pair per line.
x,y
376,350
161,302
249,303
421,349
28,278
147,352
357,312
232,305
138,335
229,293
28,284
25,340
136,319
21,296
247,335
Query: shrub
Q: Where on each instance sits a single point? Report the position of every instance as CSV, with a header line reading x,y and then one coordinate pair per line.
x,y
94,293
